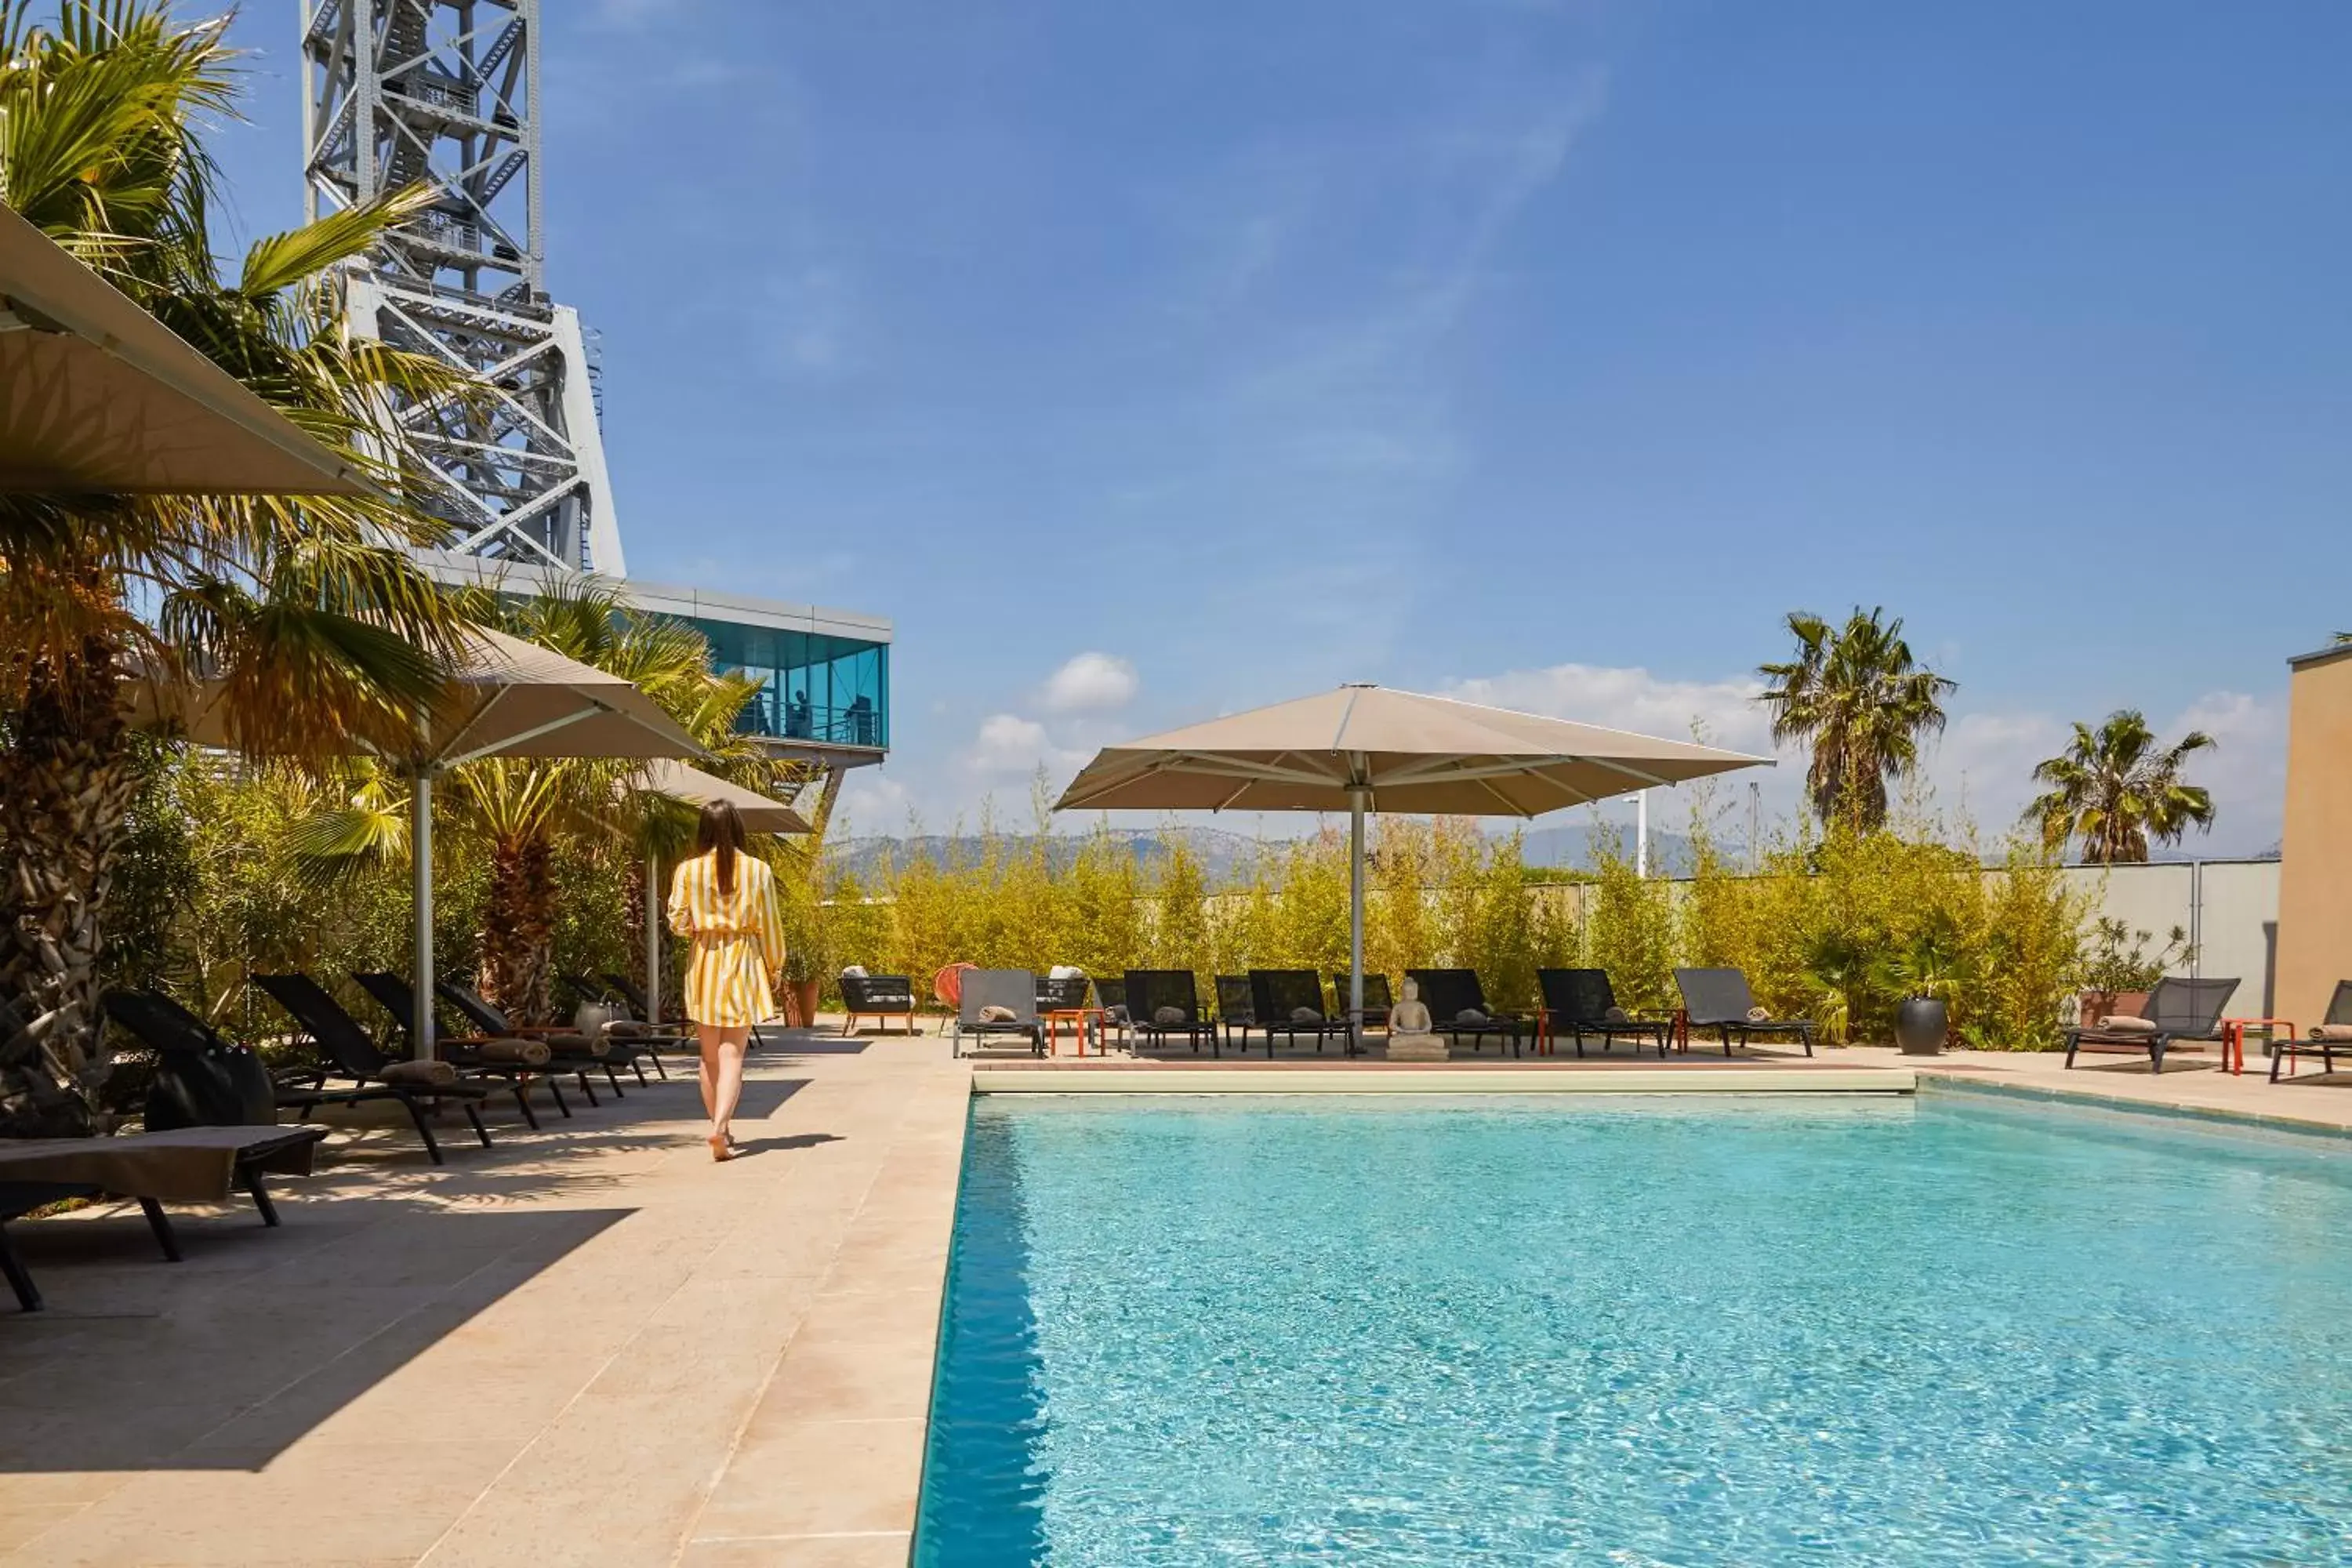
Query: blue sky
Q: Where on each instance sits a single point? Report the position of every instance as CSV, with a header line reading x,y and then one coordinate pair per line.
x,y
1550,352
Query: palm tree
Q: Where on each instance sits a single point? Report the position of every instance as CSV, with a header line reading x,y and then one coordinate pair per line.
x,y
319,625
516,812
2114,790
1860,700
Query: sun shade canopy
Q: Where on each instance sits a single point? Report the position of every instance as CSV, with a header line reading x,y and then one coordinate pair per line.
x,y
1402,751
508,699
694,788
97,397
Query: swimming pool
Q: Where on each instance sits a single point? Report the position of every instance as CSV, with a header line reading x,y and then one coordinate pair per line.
x,y
1869,1332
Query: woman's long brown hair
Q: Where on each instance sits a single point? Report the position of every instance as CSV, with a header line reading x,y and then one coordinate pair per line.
x,y
722,830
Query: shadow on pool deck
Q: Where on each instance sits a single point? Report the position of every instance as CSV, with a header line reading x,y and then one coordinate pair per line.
x,y
223,1361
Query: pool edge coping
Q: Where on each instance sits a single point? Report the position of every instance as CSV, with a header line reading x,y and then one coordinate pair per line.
x,y
1466,1080
1932,1082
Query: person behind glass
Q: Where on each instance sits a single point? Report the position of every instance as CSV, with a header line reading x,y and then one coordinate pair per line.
x,y
725,901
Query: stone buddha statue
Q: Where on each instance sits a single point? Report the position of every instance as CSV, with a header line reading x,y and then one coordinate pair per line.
x,y
1409,1036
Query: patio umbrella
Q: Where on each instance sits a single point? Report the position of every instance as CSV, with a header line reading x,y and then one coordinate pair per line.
x,y
692,786
97,395
508,698
1367,748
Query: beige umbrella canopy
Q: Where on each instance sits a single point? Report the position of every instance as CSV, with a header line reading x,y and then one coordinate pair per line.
x,y
97,395
665,776
694,788
1430,755
508,698
1365,748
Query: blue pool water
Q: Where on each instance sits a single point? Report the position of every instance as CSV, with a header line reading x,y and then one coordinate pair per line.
x,y
1884,1331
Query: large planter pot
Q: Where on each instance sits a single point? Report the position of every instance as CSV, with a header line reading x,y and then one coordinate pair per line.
x,y
1920,1025
800,1003
2098,1005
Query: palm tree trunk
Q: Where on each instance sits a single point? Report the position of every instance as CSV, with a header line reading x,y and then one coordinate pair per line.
x,y
519,931
67,783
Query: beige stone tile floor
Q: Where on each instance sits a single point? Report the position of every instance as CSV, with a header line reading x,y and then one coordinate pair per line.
x,y
589,1345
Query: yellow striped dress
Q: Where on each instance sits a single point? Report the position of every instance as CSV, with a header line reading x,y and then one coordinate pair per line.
x,y
739,940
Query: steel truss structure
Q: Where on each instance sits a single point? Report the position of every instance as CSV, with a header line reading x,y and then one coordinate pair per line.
x,y
446,93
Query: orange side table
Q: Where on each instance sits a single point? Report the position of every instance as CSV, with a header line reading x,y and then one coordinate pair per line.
x,y
1075,1017
2233,1040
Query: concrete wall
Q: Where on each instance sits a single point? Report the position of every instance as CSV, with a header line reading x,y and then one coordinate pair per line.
x,y
2316,884
2228,907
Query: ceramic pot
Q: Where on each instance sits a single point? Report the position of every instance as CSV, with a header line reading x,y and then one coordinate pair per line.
x,y
800,1003
1920,1025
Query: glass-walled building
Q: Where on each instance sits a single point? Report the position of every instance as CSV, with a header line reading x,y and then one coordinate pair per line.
x,y
823,686
825,674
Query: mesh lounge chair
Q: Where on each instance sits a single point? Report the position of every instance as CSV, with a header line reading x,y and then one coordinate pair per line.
x,y
191,1164
610,1054
2323,1039
1579,1002
587,991
880,998
2180,1011
1377,1001
1015,992
632,995
346,1050
1450,994
1237,1011
1289,1002
1719,999
1110,995
1164,1005
165,1027
394,995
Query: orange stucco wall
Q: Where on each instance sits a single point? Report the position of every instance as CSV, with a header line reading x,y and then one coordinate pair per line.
x,y
2315,940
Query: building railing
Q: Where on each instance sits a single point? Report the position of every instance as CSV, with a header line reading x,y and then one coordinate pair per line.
x,y
858,724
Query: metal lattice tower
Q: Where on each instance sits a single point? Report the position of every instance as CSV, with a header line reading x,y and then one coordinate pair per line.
x,y
446,91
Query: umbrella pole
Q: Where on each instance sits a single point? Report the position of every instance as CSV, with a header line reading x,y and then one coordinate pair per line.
x,y
653,902
420,839
1356,920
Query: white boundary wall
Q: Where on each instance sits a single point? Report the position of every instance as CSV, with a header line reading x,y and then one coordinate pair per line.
x,y
2228,907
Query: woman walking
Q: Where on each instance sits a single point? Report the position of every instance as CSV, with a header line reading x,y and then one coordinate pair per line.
x,y
726,901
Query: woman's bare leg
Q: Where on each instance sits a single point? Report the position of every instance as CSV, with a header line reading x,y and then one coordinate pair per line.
x,y
727,1089
707,1037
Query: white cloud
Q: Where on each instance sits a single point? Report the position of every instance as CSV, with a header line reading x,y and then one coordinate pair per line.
x,y
871,803
1009,744
1721,712
1091,681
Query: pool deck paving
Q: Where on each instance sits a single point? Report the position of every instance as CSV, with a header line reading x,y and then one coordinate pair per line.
x,y
594,1345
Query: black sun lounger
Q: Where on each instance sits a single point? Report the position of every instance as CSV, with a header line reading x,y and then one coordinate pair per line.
x,y
1457,1007
165,1027
1579,1003
2177,1012
346,1050
1718,999
1164,1005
